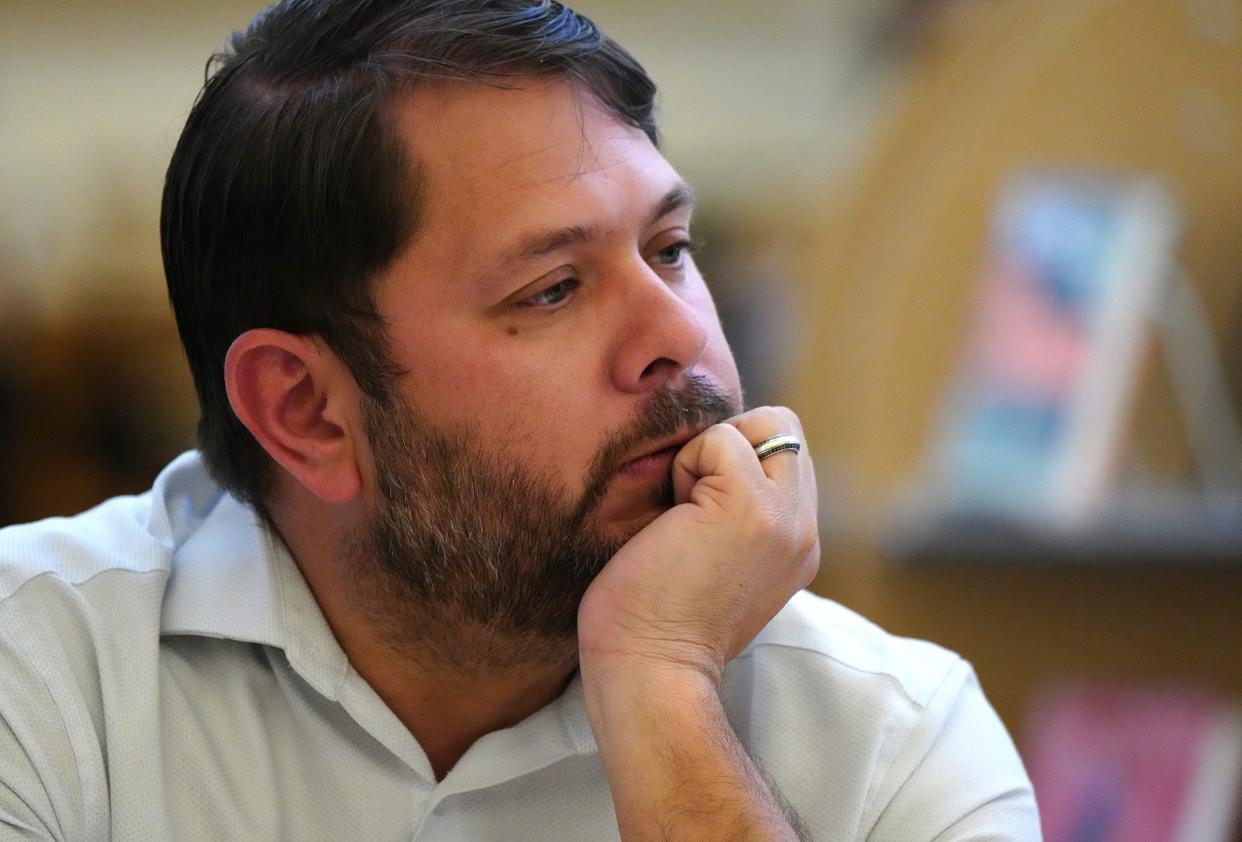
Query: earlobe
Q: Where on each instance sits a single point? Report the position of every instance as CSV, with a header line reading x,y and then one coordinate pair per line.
x,y
293,396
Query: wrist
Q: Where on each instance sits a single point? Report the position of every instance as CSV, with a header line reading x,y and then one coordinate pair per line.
x,y
650,658
645,695
682,675
668,750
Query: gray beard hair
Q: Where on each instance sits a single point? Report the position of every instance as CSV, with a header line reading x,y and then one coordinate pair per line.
x,y
475,564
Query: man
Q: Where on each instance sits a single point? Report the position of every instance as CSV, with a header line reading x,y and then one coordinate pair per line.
x,y
479,543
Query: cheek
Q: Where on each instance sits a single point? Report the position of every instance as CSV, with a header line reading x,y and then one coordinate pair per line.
x,y
719,364
529,404
717,360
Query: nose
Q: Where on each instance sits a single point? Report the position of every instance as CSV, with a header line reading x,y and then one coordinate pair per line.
x,y
664,330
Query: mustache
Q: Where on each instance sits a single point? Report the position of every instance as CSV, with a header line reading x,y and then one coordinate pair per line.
x,y
696,404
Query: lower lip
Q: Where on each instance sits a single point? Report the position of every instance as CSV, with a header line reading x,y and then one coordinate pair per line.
x,y
653,464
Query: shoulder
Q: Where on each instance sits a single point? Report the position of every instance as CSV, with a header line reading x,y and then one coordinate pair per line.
x,y
863,729
837,646
78,594
134,536
74,550
82,601
844,685
75,588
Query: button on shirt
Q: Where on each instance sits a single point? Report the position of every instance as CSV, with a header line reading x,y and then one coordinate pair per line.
x,y
166,674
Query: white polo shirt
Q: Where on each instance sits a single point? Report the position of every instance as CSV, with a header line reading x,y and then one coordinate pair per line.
x,y
166,674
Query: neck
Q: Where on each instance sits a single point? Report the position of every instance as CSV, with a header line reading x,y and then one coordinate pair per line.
x,y
448,681
448,706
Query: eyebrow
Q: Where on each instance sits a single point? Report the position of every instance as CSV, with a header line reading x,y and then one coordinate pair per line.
x,y
545,242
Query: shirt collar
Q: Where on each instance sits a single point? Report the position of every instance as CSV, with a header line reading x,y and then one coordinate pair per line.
x,y
233,578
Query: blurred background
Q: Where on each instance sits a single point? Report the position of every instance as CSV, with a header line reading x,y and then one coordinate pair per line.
x,y
990,250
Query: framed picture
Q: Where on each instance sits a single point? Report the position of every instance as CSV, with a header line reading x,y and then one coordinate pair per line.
x,y
1034,420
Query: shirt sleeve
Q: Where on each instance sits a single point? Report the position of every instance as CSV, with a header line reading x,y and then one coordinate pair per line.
x,y
958,777
39,782
17,821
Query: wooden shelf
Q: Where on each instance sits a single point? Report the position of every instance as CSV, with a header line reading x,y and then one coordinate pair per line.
x,y
1141,530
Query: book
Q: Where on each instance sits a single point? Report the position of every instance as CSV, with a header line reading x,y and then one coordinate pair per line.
x,y
1135,764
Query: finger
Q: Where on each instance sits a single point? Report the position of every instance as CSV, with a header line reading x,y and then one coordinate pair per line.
x,y
762,423
791,474
719,451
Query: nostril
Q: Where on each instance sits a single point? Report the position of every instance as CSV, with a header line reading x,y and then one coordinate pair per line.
x,y
653,368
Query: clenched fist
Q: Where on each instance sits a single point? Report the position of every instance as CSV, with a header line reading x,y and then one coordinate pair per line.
x,y
691,589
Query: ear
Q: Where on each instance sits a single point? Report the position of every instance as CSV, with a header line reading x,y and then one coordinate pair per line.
x,y
297,398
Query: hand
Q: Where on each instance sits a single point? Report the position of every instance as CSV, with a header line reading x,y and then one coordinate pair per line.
x,y
690,590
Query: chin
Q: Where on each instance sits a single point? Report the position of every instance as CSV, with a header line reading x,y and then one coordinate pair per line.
x,y
624,512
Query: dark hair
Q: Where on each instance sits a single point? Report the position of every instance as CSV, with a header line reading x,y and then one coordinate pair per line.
x,y
289,189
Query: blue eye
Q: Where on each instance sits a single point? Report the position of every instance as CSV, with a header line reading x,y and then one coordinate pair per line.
x,y
553,295
673,255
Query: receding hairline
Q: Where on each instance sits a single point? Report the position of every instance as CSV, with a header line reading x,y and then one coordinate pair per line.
x,y
422,187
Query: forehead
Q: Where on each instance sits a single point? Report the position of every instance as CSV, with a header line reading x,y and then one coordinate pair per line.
x,y
541,147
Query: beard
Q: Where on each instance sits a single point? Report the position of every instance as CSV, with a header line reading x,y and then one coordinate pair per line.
x,y
476,563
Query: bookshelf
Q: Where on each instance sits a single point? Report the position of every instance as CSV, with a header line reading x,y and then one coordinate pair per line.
x,y
1151,589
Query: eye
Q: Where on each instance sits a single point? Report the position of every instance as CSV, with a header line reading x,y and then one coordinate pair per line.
x,y
553,295
673,255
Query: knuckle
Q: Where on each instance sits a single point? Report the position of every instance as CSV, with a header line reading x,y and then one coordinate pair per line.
x,y
768,521
810,543
715,436
791,418
783,526
758,414
776,414
767,525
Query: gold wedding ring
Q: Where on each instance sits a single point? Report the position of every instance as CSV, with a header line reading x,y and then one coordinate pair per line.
x,y
776,444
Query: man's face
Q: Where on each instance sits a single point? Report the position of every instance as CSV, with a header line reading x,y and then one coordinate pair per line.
x,y
555,333
548,293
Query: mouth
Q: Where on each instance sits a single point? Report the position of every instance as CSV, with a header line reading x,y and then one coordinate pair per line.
x,y
658,461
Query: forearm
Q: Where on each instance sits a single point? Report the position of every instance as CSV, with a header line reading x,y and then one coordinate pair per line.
x,y
680,599
676,768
